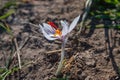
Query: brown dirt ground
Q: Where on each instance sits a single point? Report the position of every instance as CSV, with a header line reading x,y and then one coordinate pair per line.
x,y
97,51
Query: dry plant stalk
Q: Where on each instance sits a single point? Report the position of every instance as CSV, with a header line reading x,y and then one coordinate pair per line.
x,y
17,52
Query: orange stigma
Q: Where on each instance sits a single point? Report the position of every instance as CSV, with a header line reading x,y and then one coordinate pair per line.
x,y
57,32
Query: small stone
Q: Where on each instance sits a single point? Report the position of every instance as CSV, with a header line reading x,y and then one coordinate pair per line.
x,y
91,63
25,11
83,74
88,78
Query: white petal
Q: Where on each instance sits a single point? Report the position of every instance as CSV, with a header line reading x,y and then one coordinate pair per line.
x,y
47,36
65,27
48,28
66,22
73,24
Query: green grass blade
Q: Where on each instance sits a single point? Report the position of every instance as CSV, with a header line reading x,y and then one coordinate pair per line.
x,y
7,14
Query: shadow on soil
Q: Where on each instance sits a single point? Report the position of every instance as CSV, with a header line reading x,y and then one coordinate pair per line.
x,y
110,43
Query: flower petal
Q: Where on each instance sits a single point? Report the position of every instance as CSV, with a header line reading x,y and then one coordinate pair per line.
x,y
66,22
73,24
47,36
65,27
48,28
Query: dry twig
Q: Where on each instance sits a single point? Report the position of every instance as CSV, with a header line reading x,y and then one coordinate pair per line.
x,y
17,52
18,49
54,51
22,45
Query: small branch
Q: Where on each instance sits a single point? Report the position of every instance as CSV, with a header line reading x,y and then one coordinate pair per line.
x,y
37,26
22,45
55,51
18,52
18,49
30,63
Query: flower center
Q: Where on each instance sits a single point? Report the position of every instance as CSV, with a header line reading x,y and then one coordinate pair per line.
x,y
57,32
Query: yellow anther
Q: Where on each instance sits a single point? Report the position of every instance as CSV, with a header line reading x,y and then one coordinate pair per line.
x,y
58,33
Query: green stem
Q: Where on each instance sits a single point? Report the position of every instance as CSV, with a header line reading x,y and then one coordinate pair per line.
x,y
61,59
104,26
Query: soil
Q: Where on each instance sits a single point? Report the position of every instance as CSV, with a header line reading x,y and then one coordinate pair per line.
x,y
93,55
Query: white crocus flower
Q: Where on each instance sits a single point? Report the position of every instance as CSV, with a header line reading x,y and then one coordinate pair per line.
x,y
52,32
